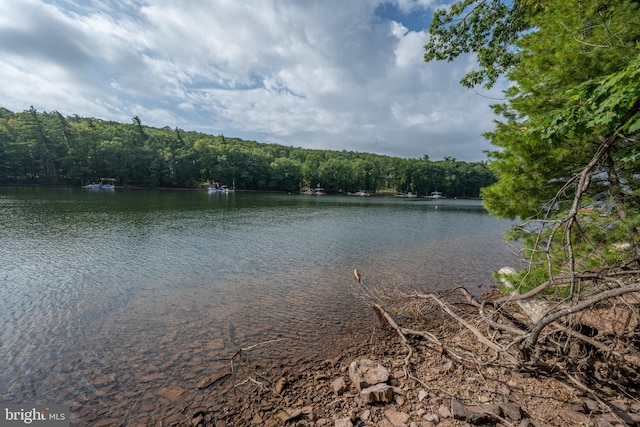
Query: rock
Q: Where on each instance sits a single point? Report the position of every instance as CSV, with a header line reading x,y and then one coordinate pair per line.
x,y
339,386
398,419
444,412
536,309
484,399
506,277
365,373
344,422
289,414
635,418
377,393
197,420
531,423
578,407
280,385
398,374
487,413
458,410
512,411
335,405
321,376
622,246
400,391
592,406
171,393
606,420
433,418
213,380
492,409
422,395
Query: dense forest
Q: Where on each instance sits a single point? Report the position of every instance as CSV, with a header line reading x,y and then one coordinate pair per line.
x,y
48,148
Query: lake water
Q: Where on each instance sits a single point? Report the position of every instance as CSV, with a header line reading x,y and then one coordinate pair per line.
x,y
118,303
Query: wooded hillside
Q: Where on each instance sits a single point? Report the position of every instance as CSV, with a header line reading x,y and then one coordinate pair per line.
x,y
49,148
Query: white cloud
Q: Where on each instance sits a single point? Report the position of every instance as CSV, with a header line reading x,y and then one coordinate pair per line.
x,y
323,74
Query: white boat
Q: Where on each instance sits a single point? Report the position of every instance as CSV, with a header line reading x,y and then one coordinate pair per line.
x,y
216,188
319,191
436,195
104,184
408,195
95,186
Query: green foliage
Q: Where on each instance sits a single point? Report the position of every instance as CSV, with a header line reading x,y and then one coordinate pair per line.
x,y
567,154
484,27
47,148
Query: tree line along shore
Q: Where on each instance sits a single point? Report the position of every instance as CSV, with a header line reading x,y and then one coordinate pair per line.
x,y
50,148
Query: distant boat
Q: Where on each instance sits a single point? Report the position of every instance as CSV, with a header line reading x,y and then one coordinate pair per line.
x,y
359,193
319,191
436,195
104,184
217,188
220,189
408,195
94,186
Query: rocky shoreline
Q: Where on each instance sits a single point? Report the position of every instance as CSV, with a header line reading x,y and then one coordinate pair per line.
x,y
370,385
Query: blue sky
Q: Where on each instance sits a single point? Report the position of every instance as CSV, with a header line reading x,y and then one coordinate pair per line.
x,y
329,74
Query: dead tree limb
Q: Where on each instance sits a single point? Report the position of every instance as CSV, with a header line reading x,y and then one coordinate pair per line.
x,y
484,340
551,317
382,312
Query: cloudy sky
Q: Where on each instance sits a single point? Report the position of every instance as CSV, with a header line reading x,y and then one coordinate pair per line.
x,y
331,74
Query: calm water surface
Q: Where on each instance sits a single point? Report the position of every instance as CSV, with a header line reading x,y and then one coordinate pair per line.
x,y
118,303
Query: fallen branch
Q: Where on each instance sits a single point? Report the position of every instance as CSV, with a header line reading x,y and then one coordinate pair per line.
x,y
552,316
470,327
382,312
503,336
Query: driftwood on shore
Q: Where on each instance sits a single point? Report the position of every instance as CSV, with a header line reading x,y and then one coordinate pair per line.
x,y
591,344
581,324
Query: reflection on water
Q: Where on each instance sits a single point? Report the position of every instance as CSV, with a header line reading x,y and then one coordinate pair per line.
x,y
117,303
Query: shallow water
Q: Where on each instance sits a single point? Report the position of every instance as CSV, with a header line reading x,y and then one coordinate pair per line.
x,y
118,303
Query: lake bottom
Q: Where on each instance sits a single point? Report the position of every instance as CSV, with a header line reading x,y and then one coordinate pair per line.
x,y
185,283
